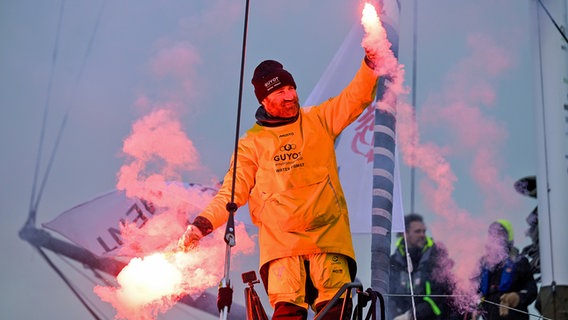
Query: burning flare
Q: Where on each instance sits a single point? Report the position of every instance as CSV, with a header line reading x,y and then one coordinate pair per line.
x,y
153,284
144,280
369,17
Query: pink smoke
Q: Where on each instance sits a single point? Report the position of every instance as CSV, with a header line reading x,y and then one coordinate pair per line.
x,y
176,64
475,135
472,135
158,275
439,185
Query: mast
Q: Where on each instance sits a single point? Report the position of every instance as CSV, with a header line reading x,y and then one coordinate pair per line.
x,y
551,114
384,138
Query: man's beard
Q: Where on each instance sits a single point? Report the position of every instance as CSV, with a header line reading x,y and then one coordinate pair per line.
x,y
289,108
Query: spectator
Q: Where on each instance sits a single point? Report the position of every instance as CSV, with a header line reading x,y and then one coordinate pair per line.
x,y
506,282
428,275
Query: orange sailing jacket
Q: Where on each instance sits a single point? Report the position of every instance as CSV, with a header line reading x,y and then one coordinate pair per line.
x,y
289,176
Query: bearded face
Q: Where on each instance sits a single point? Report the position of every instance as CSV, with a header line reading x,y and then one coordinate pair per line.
x,y
282,102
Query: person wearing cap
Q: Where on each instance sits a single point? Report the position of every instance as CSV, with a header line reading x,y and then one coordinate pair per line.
x,y
287,172
427,258
506,281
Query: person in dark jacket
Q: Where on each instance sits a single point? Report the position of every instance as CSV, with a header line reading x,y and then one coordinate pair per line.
x,y
430,262
506,282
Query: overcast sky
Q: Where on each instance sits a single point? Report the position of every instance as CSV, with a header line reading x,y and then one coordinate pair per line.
x,y
114,64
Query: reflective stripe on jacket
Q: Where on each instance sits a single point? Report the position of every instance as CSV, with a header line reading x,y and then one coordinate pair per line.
x,y
424,284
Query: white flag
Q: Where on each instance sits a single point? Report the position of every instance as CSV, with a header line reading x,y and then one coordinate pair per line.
x,y
95,225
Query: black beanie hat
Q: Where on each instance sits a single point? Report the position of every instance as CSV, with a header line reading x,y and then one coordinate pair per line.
x,y
268,76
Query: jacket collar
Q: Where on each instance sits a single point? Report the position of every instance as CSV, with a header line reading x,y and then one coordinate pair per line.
x,y
266,120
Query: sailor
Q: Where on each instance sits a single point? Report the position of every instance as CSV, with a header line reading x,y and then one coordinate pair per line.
x,y
432,294
287,172
506,281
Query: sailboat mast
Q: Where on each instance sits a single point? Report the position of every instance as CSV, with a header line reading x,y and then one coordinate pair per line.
x,y
551,113
384,141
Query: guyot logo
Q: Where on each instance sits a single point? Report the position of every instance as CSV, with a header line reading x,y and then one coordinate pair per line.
x,y
271,83
287,153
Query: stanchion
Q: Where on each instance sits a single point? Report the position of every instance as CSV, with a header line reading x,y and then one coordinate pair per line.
x,y
225,294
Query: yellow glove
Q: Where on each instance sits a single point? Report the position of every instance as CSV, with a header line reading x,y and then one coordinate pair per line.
x,y
190,238
511,300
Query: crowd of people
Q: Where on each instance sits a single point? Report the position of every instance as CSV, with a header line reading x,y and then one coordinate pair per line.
x,y
419,287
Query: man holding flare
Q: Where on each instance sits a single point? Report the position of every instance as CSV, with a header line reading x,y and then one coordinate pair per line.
x,y
287,172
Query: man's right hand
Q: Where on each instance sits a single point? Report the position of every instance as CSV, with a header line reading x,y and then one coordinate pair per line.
x,y
190,238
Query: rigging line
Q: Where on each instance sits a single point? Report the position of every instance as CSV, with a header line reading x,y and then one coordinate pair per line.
x,y
96,274
414,67
66,115
239,102
519,311
102,279
545,144
232,207
409,267
49,165
91,41
32,213
67,282
461,295
425,295
562,33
